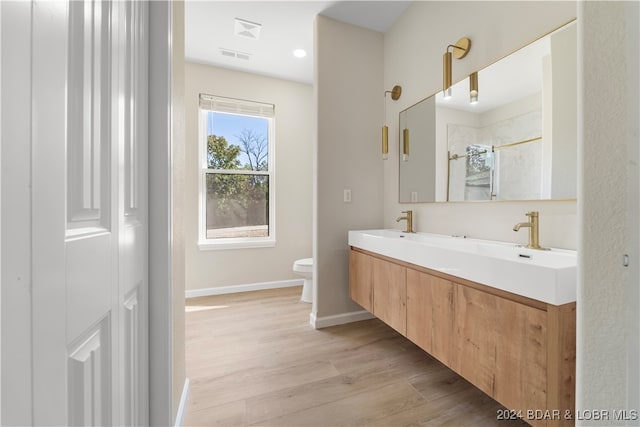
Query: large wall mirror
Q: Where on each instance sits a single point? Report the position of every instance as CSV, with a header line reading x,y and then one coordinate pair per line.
x,y
518,142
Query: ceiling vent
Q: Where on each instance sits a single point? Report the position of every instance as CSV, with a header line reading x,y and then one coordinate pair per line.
x,y
247,29
235,54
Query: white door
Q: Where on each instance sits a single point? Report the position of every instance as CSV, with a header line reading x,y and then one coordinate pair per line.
x,y
89,215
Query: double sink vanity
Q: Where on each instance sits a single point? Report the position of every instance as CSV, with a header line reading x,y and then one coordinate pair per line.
x,y
500,315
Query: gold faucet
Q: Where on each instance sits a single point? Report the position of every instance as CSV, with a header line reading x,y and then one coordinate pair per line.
x,y
409,218
533,230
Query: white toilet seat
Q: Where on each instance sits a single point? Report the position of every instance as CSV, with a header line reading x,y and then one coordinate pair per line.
x,y
304,265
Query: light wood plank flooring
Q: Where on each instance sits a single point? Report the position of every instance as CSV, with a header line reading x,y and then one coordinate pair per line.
x,y
253,360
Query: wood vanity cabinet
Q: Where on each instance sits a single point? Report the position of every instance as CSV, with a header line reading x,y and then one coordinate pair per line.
x,y
430,314
360,285
390,294
370,275
501,347
519,351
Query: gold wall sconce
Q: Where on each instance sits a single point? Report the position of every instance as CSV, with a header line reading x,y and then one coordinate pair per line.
x,y
473,88
405,145
459,51
395,95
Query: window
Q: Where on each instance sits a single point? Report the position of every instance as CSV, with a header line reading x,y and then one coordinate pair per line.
x,y
236,185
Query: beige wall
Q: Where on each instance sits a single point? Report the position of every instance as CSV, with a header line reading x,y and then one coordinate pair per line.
x,y
293,102
608,296
349,93
413,50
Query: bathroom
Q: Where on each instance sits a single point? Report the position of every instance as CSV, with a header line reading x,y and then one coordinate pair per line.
x,y
344,154
99,250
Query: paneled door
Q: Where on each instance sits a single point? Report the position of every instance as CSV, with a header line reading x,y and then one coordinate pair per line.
x,y
89,212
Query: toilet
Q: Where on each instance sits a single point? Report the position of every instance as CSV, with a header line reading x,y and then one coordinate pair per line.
x,y
304,267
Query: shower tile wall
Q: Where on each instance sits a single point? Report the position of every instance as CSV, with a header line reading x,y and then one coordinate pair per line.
x,y
518,169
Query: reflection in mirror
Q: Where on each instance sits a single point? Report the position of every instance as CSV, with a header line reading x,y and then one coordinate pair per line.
x,y
518,142
474,170
417,145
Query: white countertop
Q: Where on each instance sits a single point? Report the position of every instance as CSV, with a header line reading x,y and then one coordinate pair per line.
x,y
544,275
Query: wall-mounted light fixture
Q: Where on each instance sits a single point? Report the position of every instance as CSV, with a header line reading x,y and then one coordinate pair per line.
x,y
395,95
459,51
405,145
473,88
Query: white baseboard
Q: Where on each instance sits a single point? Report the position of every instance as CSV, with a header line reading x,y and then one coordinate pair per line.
x,y
339,319
192,293
182,408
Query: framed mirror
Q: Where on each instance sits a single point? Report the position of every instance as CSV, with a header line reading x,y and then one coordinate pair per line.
x,y
518,142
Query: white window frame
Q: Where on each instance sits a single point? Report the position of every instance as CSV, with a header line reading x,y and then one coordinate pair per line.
x,y
245,108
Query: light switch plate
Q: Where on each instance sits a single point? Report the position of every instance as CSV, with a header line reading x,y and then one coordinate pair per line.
x,y
347,195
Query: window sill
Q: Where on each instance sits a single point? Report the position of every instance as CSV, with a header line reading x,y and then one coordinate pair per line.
x,y
235,243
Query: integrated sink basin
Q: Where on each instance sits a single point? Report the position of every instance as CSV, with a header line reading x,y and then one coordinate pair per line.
x,y
544,275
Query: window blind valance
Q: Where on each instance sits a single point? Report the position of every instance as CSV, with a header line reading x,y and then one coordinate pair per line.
x,y
236,106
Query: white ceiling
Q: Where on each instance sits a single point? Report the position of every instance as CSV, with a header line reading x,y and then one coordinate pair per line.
x,y
286,26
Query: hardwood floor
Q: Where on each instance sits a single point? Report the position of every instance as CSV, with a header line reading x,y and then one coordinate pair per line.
x,y
253,360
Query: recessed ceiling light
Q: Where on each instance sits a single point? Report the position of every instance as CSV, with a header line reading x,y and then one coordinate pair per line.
x,y
299,53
